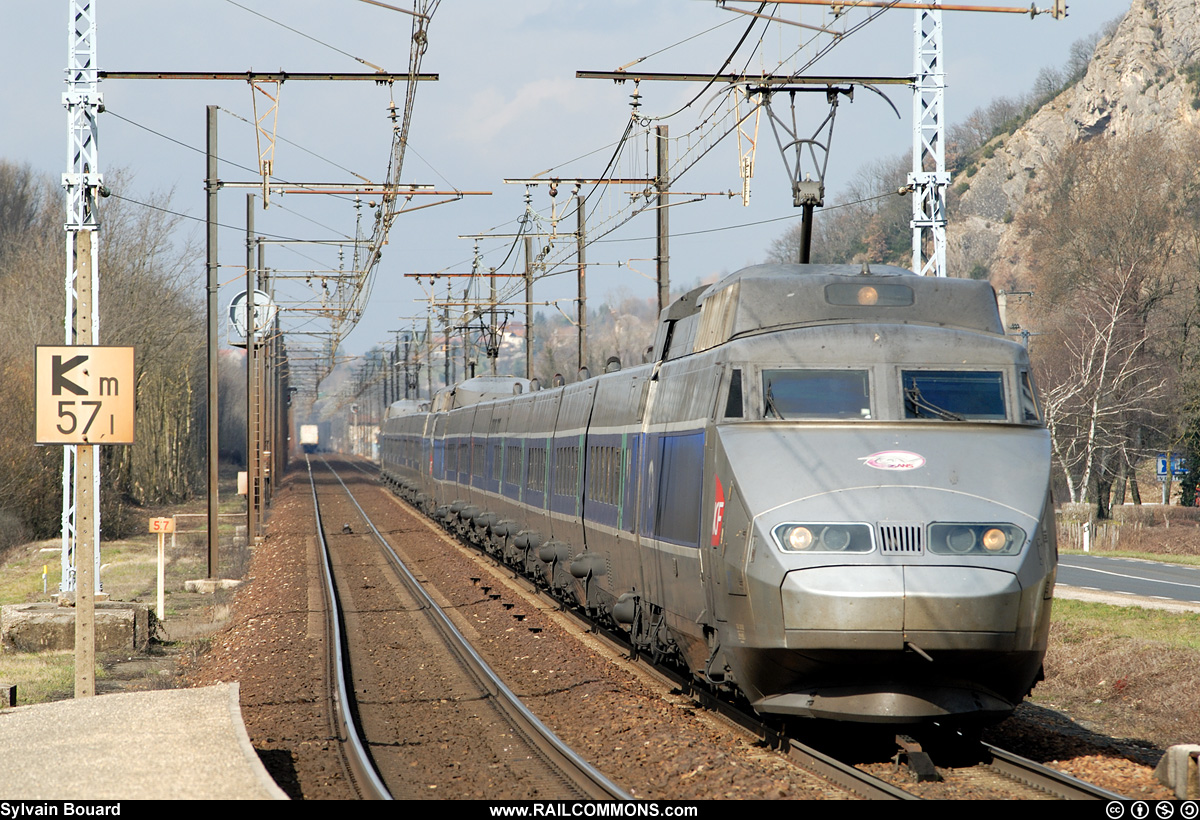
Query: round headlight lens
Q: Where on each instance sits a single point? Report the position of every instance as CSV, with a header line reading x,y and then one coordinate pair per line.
x,y
960,539
995,540
867,295
835,538
800,538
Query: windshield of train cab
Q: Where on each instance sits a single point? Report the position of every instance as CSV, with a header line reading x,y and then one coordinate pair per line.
x,y
953,395
816,394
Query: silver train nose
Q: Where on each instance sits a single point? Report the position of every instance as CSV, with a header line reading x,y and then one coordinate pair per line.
x,y
891,607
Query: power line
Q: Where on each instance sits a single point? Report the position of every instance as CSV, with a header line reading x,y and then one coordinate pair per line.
x,y
306,36
239,228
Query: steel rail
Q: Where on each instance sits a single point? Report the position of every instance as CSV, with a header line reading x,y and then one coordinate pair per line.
x,y
844,775
362,767
859,783
591,780
1045,778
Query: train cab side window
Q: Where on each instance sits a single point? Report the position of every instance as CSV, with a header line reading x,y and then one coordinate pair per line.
x,y
816,394
733,405
1029,405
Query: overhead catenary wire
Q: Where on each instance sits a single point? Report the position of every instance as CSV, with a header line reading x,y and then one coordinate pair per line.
x,y
678,172
302,34
226,161
308,151
551,266
239,228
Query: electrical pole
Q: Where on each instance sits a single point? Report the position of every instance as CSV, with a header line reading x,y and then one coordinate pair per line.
x,y
446,338
529,307
211,186
251,382
263,397
429,350
662,184
580,252
83,183
493,341
929,145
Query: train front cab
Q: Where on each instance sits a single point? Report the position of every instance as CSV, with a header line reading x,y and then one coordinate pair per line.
x,y
885,566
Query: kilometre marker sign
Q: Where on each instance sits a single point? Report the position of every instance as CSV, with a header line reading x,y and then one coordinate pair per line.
x,y
84,395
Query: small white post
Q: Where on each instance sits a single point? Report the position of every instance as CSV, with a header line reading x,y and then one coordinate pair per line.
x,y
162,526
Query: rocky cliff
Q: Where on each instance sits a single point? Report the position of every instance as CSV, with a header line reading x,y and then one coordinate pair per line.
x,y
1136,83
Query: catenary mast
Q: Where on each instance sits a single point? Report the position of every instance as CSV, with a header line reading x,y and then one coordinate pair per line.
x,y
83,182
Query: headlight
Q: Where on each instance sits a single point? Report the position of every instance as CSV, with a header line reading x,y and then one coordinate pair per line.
x,y
824,537
799,538
995,539
961,539
975,539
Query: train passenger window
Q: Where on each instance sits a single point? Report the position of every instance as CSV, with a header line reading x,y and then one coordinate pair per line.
x,y
535,479
512,464
566,470
816,394
733,405
953,395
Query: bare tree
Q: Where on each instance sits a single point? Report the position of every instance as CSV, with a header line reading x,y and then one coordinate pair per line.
x,y
869,222
1108,260
149,300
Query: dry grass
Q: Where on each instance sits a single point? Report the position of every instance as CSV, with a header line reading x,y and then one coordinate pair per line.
x,y
1153,531
1125,671
128,573
1128,671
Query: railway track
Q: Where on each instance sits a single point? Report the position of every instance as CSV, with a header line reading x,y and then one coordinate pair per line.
x,y
1044,778
423,715
995,772
991,773
359,765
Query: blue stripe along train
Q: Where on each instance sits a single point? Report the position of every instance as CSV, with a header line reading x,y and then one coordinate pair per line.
x,y
828,492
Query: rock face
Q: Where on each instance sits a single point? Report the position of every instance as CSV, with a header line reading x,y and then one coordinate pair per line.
x,y
1135,84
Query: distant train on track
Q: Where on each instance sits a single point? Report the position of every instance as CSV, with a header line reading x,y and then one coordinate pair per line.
x,y
314,438
829,492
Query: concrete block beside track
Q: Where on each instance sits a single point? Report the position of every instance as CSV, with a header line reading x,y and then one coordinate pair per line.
x,y
186,744
1178,770
41,627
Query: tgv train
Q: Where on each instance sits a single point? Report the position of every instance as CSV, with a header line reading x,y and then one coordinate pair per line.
x,y
829,492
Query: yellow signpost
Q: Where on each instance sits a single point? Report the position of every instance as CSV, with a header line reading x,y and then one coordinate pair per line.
x,y
84,394
162,526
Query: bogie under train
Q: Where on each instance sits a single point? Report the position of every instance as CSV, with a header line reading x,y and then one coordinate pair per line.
x,y
828,492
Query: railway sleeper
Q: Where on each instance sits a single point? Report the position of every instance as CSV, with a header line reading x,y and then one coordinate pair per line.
x,y
569,578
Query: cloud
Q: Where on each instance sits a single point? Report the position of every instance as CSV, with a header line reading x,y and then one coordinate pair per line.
x,y
494,119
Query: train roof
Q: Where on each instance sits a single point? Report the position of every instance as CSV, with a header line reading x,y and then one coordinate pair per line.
x,y
777,296
406,407
479,389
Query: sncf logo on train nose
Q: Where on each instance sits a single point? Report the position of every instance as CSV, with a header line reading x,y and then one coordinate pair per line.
x,y
894,460
718,513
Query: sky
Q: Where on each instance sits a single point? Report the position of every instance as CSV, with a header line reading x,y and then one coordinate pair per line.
x,y
507,105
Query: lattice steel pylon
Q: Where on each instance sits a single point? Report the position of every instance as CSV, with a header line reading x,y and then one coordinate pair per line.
x,y
929,179
82,182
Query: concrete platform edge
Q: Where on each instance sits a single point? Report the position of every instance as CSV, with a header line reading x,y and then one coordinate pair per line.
x,y
243,738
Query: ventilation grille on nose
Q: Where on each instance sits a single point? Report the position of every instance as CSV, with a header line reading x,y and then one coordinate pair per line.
x,y
901,539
